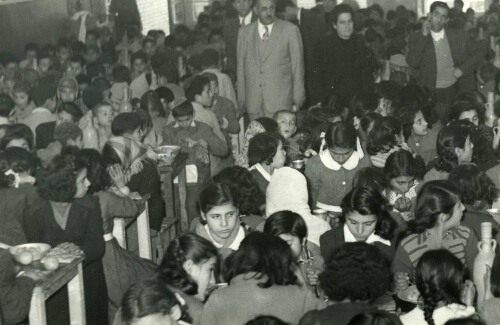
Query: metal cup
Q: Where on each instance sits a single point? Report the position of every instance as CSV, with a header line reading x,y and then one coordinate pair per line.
x,y
320,213
298,164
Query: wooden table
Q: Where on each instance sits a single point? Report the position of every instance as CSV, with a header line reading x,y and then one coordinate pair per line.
x,y
143,231
168,173
67,274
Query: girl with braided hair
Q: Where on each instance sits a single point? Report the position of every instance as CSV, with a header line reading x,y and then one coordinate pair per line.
x,y
439,279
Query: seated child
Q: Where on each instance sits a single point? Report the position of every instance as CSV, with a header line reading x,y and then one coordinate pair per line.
x,y
149,135
139,84
402,172
103,115
17,135
151,103
260,125
66,134
44,96
287,126
6,107
24,104
149,302
166,98
199,141
385,138
265,155
44,62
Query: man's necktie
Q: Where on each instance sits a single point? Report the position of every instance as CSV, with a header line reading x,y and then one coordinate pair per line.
x,y
265,37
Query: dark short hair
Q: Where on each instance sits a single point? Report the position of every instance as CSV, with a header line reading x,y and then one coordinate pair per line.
x,y
263,147
382,137
367,201
15,132
146,298
216,194
286,222
189,246
341,9
473,184
209,57
31,46
439,4
342,135
244,186
266,256
148,40
462,106
140,55
355,271
72,109
196,87
183,109
402,163
168,71
266,320
281,5
121,74
379,317
165,94
125,123
151,101
57,182
6,105
77,58
43,92
95,69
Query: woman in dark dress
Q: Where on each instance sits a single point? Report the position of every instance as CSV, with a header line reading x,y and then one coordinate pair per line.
x,y
63,213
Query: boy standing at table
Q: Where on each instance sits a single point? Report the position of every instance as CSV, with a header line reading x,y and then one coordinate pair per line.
x,y
199,141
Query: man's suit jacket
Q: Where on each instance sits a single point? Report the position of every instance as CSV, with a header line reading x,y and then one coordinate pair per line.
x,y
466,54
230,33
275,81
312,29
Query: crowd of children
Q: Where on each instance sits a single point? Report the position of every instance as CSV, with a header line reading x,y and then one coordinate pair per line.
x,y
320,216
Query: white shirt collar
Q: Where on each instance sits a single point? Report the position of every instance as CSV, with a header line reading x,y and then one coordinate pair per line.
x,y
262,171
437,36
350,164
4,120
262,30
193,124
41,110
298,15
349,237
236,242
247,19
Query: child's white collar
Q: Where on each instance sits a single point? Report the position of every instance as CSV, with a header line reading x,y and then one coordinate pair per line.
x,y
349,237
350,164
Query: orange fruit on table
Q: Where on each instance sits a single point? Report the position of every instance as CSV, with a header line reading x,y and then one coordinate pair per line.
x,y
51,263
25,258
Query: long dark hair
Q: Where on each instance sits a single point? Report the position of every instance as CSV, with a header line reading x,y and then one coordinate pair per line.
x,y
286,222
216,194
449,138
266,256
383,135
402,163
473,184
434,198
97,174
366,201
186,247
439,276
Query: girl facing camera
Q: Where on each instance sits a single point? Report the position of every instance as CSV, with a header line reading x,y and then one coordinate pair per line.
x,y
330,173
220,218
439,278
364,219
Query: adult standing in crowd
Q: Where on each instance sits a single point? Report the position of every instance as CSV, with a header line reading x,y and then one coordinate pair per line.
x,y
123,13
342,58
246,16
444,59
270,64
312,29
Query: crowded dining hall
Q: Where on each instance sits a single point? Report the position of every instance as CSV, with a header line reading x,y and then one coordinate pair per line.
x,y
250,162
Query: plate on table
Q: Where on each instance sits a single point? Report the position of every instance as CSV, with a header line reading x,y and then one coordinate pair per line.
x,y
409,294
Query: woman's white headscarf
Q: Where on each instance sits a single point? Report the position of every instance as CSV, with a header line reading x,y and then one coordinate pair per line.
x,y
287,190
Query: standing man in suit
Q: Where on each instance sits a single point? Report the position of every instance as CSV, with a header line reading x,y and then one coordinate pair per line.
x,y
443,59
312,29
270,64
246,16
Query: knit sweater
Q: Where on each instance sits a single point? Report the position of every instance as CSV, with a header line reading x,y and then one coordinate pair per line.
x,y
461,241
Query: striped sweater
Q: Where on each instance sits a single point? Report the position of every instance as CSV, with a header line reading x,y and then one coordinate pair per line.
x,y
461,241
